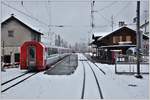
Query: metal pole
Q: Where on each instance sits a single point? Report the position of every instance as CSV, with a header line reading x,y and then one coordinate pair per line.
x,y
92,15
138,45
2,59
112,23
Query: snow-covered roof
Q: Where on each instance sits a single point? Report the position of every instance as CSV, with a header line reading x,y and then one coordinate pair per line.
x,y
100,33
108,33
12,17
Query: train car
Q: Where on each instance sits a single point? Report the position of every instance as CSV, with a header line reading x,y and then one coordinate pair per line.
x,y
36,56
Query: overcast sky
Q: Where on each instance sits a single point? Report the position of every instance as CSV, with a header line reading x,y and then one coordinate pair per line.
x,y
74,15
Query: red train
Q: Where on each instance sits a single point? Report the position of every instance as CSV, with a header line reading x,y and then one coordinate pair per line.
x,y
36,56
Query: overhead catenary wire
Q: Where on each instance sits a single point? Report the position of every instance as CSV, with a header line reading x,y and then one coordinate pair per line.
x,y
102,16
76,0
27,11
60,26
36,19
108,6
122,10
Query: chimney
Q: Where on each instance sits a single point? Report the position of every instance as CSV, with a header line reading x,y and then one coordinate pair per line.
x,y
12,14
121,23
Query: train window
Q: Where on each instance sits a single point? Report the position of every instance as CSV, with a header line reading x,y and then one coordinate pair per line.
x,y
53,50
32,53
49,51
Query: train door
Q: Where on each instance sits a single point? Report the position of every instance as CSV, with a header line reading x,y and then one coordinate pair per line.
x,y
31,58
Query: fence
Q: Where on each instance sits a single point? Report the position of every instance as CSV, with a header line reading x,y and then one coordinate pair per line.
x,y
128,64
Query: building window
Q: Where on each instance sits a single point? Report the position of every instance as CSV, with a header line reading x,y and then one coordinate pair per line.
x,y
120,38
114,39
39,38
128,38
10,33
33,36
117,39
17,57
7,58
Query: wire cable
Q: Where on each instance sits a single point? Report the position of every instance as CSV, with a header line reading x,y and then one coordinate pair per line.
x,y
76,1
108,6
24,13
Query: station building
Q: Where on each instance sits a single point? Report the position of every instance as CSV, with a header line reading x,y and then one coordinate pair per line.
x,y
14,33
119,40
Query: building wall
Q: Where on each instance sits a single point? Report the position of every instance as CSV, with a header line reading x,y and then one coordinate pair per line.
x,y
145,43
21,34
119,37
11,44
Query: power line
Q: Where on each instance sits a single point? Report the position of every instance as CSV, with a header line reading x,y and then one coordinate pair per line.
x,y
108,6
122,10
103,17
24,13
75,1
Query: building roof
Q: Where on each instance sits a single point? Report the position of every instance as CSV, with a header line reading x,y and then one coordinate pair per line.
x,y
118,29
22,23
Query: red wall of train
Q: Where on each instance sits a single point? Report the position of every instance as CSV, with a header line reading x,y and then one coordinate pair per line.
x,y
40,62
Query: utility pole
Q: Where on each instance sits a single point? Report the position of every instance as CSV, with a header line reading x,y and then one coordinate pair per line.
x,y
138,41
92,14
2,59
92,19
49,26
112,22
145,12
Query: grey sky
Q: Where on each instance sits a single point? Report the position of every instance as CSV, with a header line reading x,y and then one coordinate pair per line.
x,y
75,16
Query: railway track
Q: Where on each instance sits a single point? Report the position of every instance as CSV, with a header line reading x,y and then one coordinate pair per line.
x,y
99,89
21,78
84,75
84,78
94,63
14,78
15,81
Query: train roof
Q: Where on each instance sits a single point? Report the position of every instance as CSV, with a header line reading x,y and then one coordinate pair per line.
x,y
56,47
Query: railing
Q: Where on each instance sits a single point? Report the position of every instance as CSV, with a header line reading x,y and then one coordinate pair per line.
x,y
131,59
128,64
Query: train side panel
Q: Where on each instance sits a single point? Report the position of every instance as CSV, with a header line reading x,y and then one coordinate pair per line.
x,y
23,57
39,58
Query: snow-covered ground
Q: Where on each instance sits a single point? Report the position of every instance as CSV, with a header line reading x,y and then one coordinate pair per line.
x,y
45,86
11,73
118,86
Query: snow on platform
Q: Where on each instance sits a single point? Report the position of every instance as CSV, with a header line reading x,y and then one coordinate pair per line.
x,y
66,67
